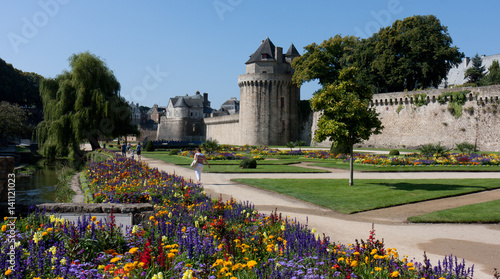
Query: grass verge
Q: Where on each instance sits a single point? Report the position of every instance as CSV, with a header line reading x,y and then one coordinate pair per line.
x,y
369,194
372,168
486,212
232,166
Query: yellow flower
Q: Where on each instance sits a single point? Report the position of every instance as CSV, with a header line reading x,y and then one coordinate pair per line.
x,y
133,250
4,228
93,219
395,274
8,272
188,274
354,263
251,264
114,260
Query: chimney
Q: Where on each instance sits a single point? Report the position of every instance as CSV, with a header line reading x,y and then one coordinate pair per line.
x,y
278,54
205,100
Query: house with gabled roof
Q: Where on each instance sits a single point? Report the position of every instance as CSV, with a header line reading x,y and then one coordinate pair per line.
x,y
183,120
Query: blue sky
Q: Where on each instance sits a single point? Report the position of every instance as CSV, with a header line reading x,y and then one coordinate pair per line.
x,y
160,49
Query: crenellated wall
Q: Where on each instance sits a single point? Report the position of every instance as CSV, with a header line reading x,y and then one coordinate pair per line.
x,y
411,119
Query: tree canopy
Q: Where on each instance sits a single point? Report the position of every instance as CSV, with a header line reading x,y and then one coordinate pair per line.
x,y
18,87
82,104
324,61
415,52
493,76
346,116
475,73
12,121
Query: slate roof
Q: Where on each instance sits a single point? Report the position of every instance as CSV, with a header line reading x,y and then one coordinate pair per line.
x,y
266,47
292,52
187,101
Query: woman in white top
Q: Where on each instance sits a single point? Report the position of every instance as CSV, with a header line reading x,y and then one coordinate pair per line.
x,y
200,159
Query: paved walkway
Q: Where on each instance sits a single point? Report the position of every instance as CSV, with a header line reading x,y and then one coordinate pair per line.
x,y
476,243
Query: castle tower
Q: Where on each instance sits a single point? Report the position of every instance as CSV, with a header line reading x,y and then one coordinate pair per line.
x,y
268,98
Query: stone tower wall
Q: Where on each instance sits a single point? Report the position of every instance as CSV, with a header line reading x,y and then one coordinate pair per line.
x,y
409,123
183,129
268,109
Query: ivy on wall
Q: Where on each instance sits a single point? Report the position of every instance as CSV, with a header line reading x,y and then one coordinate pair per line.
x,y
456,101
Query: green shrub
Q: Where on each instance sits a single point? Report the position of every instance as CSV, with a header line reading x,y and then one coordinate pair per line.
x,y
340,149
210,146
248,164
150,146
466,147
290,145
433,149
173,151
394,152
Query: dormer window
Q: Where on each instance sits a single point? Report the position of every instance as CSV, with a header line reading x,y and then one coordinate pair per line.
x,y
265,56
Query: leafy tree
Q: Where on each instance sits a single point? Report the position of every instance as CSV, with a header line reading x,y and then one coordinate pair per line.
x,y
12,121
413,52
82,104
346,117
475,73
324,61
493,76
18,87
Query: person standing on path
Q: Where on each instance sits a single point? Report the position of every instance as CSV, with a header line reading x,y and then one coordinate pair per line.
x,y
200,159
139,149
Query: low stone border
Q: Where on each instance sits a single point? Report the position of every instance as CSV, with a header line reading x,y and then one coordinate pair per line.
x,y
140,211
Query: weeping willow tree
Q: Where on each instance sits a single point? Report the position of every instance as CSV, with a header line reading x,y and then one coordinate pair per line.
x,y
82,104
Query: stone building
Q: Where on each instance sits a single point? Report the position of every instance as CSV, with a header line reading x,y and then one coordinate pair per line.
x,y
456,75
269,101
183,120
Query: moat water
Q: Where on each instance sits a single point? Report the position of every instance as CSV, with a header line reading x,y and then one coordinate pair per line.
x,y
37,188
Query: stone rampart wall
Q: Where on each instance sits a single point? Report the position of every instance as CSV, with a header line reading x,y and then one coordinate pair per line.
x,y
225,129
411,121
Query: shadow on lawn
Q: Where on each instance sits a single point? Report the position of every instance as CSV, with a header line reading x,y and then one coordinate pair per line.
x,y
403,186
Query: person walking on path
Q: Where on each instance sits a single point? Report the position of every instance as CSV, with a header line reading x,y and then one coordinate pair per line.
x,y
124,149
200,159
139,149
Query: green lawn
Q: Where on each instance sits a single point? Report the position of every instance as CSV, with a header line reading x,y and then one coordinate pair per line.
x,y
232,166
487,212
369,194
372,168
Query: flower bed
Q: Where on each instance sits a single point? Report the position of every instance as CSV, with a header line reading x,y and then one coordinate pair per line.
x,y
192,236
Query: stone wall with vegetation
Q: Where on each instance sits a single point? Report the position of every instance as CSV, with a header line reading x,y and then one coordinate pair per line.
x,y
449,116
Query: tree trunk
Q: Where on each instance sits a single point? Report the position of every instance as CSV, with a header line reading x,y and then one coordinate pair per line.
x,y
94,143
351,167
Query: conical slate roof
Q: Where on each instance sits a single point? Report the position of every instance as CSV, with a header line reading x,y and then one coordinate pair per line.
x,y
267,47
292,52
